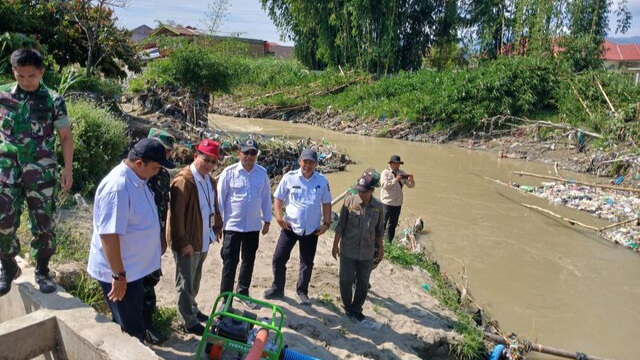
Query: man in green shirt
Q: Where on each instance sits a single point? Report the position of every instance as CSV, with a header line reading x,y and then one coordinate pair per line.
x,y
359,230
30,114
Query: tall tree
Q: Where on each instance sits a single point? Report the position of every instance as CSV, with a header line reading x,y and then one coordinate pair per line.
x,y
95,20
215,16
378,36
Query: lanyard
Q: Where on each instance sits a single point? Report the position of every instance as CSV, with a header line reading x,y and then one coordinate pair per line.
x,y
208,194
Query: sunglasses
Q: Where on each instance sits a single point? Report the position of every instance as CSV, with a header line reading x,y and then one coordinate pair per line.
x,y
250,152
208,161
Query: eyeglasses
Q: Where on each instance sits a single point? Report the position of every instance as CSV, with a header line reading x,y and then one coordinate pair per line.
x,y
250,152
208,161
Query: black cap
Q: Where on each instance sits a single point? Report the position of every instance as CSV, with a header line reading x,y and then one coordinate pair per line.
x,y
366,182
309,154
249,144
395,159
152,149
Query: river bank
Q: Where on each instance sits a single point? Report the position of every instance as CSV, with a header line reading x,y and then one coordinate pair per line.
x,y
523,143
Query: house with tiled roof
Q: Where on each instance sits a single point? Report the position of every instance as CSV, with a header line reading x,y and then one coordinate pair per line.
x,y
623,58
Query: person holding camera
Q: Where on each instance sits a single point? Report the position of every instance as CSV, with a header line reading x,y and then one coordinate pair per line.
x,y
392,180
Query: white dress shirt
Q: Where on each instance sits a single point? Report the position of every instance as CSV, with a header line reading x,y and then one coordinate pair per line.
x,y
245,198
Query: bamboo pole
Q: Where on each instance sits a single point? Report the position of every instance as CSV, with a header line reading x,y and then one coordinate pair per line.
x,y
570,221
340,197
613,110
544,349
581,101
577,182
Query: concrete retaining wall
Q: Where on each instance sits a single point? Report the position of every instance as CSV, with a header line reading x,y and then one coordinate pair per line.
x,y
59,326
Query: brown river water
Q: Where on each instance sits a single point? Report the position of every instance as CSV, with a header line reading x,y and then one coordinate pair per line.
x,y
554,284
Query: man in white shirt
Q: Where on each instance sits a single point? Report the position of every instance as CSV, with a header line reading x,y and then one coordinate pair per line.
x,y
193,224
245,205
125,246
307,198
392,180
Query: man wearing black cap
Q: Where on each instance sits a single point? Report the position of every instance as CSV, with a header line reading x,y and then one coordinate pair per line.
x,y
358,232
244,193
392,180
125,246
306,195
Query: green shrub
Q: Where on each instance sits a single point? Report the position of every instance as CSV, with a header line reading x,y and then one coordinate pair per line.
x,y
107,89
190,67
99,140
162,319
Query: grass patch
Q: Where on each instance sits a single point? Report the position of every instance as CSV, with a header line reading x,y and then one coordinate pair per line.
x,y
89,291
162,320
328,301
471,345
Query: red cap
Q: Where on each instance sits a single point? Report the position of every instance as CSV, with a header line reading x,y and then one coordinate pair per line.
x,y
209,147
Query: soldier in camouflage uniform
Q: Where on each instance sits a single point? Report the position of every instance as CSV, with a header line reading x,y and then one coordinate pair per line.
x,y
30,114
160,185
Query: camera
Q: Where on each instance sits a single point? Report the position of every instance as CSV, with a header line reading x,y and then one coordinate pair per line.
x,y
404,176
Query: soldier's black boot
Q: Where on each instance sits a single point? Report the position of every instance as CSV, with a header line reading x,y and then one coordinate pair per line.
x,y
10,271
43,279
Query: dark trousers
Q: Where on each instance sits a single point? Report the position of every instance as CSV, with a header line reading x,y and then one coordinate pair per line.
x,y
358,271
233,244
128,311
149,283
286,242
391,216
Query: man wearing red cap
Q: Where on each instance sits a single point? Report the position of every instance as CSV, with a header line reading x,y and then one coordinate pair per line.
x,y
194,223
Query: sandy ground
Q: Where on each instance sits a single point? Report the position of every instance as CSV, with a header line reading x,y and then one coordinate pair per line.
x,y
412,325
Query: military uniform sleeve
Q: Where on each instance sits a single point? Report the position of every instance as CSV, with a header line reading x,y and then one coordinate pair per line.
x,y
60,116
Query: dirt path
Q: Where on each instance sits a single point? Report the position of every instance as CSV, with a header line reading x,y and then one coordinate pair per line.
x,y
412,324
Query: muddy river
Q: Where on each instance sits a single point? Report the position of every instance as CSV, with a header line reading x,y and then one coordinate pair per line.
x,y
539,277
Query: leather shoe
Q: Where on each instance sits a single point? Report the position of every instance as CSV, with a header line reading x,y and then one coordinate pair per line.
x,y
202,317
273,294
153,338
196,329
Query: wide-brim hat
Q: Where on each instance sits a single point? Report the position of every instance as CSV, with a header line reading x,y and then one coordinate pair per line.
x,y
153,150
209,147
396,159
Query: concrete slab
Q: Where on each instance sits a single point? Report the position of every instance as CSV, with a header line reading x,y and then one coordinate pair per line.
x,y
59,326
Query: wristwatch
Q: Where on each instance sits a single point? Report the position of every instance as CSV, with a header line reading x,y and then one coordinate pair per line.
x,y
119,276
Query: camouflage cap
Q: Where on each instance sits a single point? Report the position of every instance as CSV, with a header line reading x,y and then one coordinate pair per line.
x,y
164,137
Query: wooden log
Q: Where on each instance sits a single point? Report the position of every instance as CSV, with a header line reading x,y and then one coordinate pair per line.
x,y
618,224
570,221
603,186
543,349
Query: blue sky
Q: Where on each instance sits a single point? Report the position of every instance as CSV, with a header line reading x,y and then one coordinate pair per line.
x,y
246,17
